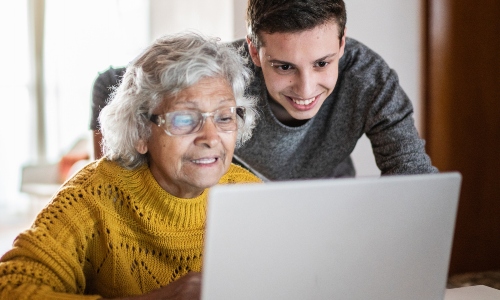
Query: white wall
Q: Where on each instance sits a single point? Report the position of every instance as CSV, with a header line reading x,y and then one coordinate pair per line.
x,y
390,27
393,29
214,17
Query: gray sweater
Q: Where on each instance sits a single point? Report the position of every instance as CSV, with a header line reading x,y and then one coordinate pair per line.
x,y
367,99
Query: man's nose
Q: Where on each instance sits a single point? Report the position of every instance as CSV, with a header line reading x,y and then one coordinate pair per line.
x,y
305,84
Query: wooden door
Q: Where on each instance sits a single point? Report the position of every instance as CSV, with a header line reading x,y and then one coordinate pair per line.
x,y
462,120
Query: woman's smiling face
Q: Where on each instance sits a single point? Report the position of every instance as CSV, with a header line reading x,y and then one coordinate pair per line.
x,y
185,165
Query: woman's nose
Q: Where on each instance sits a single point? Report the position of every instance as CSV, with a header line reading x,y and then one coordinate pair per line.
x,y
208,134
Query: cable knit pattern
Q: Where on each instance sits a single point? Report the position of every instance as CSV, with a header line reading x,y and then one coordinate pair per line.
x,y
108,232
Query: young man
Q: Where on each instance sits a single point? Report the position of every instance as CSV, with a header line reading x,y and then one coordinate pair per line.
x,y
318,93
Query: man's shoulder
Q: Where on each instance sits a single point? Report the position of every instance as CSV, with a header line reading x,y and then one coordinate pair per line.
x,y
360,61
355,48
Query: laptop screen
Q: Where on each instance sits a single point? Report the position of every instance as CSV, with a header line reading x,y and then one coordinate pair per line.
x,y
364,238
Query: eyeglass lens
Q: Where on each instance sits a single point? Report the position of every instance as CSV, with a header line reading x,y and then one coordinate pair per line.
x,y
187,122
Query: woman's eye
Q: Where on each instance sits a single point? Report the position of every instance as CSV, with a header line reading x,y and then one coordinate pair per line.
x,y
183,120
226,120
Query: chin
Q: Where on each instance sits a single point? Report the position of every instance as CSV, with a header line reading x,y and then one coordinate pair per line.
x,y
205,185
203,181
304,115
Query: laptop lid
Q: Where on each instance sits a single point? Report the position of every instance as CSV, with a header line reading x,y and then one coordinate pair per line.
x,y
364,238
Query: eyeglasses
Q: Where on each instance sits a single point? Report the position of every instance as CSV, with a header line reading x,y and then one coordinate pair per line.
x,y
184,122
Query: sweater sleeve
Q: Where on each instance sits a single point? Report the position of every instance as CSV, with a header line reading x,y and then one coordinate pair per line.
x,y
102,89
375,101
396,144
35,269
47,260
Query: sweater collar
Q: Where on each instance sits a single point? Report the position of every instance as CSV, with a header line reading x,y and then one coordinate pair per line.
x,y
152,203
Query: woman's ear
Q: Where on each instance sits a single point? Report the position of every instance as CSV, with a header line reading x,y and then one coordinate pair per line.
x,y
141,147
254,52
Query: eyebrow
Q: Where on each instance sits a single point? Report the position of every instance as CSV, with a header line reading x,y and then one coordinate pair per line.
x,y
282,62
191,103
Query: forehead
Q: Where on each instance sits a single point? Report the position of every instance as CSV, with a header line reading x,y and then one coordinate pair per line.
x,y
207,93
330,24
291,46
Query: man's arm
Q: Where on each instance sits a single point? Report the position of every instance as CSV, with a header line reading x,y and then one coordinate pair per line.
x,y
396,143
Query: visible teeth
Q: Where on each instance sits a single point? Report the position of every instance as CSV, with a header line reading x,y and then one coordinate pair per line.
x,y
303,102
204,161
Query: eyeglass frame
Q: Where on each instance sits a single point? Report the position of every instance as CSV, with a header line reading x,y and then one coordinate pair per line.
x,y
159,120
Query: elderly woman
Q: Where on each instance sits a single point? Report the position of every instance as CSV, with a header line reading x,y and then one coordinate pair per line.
x,y
132,224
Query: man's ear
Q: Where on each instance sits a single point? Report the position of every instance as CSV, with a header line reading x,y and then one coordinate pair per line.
x,y
342,43
254,52
141,146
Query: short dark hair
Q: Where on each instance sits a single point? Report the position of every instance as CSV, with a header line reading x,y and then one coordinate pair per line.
x,y
271,16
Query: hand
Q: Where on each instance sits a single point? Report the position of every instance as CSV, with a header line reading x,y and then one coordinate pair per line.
x,y
185,288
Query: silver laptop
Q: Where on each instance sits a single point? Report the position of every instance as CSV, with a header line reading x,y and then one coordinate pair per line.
x,y
364,238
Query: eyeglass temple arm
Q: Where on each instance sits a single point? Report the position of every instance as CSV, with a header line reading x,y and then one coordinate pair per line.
x,y
154,118
241,111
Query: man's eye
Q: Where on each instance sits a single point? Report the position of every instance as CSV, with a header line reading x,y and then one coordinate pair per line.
x,y
284,67
322,64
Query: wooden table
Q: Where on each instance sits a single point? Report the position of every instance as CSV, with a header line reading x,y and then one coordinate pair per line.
x,y
477,292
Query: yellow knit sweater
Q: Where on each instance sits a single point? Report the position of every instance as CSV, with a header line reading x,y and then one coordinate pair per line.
x,y
108,232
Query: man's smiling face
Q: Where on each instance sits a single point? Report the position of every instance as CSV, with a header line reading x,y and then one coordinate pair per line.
x,y
300,69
